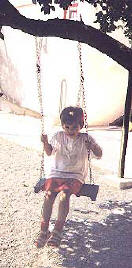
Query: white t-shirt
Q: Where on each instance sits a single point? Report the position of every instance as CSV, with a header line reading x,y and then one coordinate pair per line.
x,y
69,158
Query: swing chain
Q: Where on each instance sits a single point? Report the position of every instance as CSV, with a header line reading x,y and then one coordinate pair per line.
x,y
38,43
82,97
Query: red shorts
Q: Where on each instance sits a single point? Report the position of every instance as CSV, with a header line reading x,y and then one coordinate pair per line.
x,y
58,185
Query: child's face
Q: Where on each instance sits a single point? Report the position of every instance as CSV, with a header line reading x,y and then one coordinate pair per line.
x,y
71,130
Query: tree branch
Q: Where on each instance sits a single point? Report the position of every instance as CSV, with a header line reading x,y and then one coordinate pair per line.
x,y
66,29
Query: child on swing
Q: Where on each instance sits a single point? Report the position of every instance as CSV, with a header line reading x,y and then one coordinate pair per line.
x,y
69,152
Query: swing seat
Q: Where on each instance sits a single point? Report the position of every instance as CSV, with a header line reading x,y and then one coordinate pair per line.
x,y
39,185
89,190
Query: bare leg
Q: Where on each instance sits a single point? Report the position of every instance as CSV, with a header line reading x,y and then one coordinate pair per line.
x,y
63,211
47,209
46,214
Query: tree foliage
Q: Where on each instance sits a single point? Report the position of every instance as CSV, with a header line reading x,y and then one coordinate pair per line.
x,y
110,14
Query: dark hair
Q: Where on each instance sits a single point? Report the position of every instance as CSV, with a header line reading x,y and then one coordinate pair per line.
x,y
70,115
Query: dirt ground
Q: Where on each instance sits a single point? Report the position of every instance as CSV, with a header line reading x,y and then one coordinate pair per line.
x,y
96,234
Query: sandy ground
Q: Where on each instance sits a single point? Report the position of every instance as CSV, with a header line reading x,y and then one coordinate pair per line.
x,y
96,234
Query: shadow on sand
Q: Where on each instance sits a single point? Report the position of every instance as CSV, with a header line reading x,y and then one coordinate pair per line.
x,y
100,244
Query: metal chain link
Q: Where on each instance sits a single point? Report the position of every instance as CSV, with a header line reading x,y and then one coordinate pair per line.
x,y
82,98
38,44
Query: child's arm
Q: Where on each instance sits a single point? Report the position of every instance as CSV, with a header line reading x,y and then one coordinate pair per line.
x,y
47,147
96,149
92,145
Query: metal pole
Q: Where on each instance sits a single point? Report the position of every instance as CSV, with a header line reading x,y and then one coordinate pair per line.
x,y
125,128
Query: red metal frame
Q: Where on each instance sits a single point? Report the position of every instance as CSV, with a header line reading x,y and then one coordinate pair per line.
x,y
72,10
